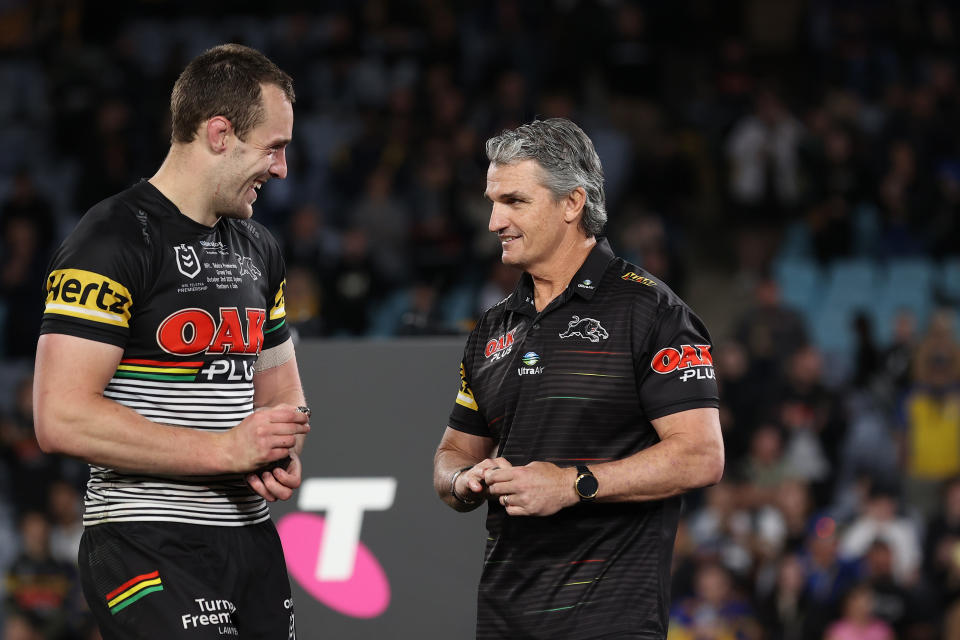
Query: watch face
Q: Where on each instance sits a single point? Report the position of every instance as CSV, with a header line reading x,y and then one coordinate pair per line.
x,y
587,485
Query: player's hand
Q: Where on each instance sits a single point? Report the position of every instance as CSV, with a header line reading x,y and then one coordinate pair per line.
x,y
535,489
277,483
471,485
264,436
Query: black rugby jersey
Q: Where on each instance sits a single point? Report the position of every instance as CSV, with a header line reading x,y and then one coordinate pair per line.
x,y
579,383
192,307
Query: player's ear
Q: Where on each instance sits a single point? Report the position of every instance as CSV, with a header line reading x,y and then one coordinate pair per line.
x,y
217,131
573,204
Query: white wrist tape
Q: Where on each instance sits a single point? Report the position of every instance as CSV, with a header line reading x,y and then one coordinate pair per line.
x,y
274,356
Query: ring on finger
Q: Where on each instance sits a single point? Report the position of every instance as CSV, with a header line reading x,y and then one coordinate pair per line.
x,y
503,500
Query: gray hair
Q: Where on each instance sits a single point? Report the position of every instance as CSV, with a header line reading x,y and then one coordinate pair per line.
x,y
567,158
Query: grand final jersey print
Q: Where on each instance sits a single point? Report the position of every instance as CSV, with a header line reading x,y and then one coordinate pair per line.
x,y
579,383
192,307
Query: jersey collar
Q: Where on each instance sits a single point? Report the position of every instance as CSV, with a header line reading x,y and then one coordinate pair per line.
x,y
584,283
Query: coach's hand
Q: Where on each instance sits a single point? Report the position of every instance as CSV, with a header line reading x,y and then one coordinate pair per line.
x,y
536,489
471,485
278,483
262,437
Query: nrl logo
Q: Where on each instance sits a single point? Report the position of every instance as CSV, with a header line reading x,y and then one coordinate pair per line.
x,y
586,328
247,267
187,262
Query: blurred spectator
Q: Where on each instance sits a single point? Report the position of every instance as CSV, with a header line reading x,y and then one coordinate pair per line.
x,y
942,546
858,621
770,330
386,224
828,576
722,529
303,302
764,468
931,415
880,521
423,317
308,241
26,235
894,375
715,610
738,389
782,526
783,612
763,159
811,415
31,470
908,610
66,520
44,590
500,282
352,287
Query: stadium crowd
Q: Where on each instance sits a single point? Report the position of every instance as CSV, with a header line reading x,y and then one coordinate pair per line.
x,y
726,131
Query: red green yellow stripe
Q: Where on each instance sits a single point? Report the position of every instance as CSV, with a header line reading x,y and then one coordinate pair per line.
x,y
133,590
157,370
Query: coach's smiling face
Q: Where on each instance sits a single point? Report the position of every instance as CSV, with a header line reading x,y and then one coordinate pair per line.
x,y
531,223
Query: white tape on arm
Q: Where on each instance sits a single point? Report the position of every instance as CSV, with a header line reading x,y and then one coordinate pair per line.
x,y
274,356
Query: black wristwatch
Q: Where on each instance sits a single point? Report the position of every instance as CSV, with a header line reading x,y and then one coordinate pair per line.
x,y
586,484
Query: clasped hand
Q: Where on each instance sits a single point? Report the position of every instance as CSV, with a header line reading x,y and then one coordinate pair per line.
x,y
265,436
535,489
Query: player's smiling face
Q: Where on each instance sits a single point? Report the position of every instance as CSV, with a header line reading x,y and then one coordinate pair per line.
x,y
528,220
260,156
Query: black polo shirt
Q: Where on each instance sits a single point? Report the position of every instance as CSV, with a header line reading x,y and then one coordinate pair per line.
x,y
579,383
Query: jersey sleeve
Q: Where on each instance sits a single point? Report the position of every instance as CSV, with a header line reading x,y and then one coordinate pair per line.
x,y
275,329
675,366
94,280
466,415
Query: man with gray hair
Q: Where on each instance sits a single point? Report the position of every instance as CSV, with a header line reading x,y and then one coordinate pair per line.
x,y
587,404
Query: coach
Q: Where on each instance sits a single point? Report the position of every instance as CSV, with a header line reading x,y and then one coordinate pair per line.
x,y
587,404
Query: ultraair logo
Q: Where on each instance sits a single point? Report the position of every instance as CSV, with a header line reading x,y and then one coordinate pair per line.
x,y
530,358
695,361
187,262
325,555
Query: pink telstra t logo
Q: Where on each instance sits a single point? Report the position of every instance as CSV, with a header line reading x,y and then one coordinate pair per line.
x,y
325,555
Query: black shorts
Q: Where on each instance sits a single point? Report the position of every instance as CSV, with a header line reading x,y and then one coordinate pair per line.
x,y
163,580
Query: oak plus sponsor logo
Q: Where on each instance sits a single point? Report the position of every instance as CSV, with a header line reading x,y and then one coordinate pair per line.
x,y
191,331
630,276
500,346
88,295
586,328
187,262
692,361
325,554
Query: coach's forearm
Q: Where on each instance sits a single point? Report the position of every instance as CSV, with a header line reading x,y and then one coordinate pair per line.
x,y
689,455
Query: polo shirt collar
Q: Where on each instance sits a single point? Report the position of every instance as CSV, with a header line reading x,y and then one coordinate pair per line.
x,y
584,282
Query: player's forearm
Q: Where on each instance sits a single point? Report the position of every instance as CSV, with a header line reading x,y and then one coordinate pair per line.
x,y
280,385
670,467
105,433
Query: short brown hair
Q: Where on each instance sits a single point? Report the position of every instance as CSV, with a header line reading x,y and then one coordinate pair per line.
x,y
224,81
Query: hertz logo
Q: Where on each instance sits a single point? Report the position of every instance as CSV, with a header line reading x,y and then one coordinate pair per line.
x,y
88,295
